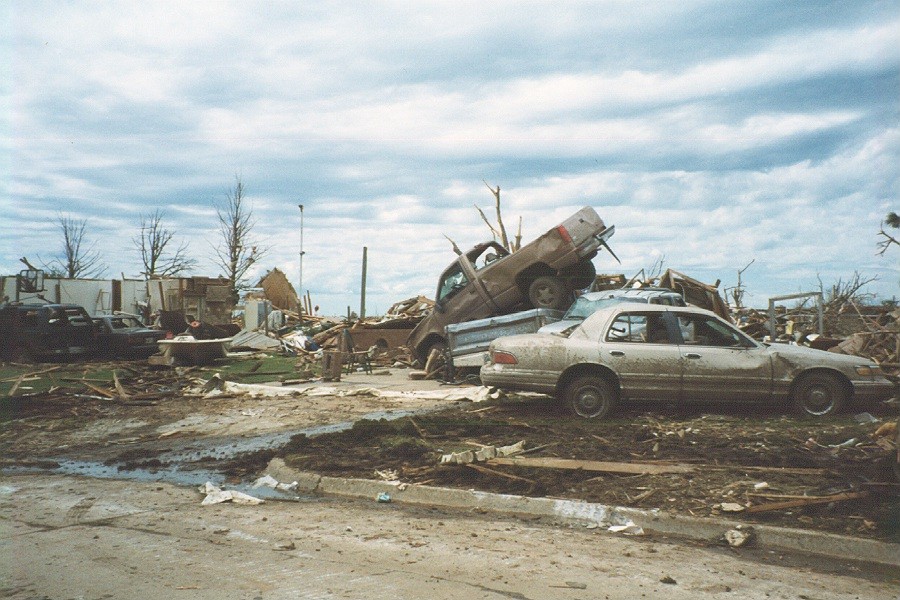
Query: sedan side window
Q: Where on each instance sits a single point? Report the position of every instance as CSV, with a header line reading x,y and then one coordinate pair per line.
x,y
704,331
641,328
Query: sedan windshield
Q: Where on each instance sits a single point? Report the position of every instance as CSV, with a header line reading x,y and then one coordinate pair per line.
x,y
583,308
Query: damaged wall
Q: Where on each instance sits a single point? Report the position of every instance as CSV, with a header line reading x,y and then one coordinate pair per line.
x,y
207,299
97,296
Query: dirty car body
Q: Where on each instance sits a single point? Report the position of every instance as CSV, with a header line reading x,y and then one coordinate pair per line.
x,y
124,336
488,280
633,352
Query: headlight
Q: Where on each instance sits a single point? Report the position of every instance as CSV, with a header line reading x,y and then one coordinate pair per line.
x,y
868,370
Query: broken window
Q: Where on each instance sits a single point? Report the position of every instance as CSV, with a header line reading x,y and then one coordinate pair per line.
x,y
706,331
453,282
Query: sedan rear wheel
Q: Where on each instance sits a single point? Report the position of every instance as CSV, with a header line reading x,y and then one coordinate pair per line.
x,y
819,395
591,397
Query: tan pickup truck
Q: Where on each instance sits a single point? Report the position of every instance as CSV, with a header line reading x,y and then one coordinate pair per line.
x,y
488,280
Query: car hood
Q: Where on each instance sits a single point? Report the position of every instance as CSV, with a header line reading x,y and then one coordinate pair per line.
x,y
803,355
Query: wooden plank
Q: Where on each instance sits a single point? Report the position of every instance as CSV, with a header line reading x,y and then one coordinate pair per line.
x,y
487,471
122,393
785,470
99,390
594,465
15,387
806,502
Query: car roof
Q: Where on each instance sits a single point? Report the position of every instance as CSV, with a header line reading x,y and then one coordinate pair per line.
x,y
607,311
629,293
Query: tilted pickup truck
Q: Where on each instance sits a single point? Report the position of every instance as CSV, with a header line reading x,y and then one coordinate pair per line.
x,y
488,280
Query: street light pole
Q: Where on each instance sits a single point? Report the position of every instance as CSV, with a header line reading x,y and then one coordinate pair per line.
x,y
300,291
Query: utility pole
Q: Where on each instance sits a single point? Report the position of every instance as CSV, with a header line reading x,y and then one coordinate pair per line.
x,y
362,300
300,291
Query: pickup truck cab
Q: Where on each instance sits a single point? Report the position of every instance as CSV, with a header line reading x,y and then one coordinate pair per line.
x,y
45,331
488,280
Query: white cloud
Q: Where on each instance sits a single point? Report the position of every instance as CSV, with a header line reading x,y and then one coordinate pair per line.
x,y
705,137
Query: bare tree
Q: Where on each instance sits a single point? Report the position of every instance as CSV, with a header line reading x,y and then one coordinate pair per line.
x,y
158,257
891,220
79,258
500,230
237,252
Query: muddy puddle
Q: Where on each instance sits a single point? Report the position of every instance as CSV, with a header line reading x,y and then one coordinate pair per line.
x,y
197,461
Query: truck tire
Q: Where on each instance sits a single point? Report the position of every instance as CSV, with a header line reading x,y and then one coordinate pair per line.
x,y
548,292
580,275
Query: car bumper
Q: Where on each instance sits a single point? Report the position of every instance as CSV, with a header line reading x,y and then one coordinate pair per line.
x,y
516,379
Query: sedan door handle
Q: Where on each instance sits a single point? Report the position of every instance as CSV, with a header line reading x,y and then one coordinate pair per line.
x,y
692,355
616,353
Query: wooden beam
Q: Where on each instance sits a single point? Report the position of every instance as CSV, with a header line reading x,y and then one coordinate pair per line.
x,y
487,471
594,465
806,502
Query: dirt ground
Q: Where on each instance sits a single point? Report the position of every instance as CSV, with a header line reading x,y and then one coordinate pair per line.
x,y
745,457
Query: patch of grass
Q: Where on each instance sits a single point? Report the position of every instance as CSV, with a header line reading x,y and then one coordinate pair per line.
x,y
256,370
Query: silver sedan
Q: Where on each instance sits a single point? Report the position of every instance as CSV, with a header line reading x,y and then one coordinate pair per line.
x,y
647,352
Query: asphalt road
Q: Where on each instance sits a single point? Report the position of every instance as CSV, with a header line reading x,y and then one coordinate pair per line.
x,y
68,537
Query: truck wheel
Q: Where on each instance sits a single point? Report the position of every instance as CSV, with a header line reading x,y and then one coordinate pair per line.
x,y
548,292
590,397
580,275
819,395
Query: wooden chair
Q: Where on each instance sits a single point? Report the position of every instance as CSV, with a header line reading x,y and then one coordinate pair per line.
x,y
354,358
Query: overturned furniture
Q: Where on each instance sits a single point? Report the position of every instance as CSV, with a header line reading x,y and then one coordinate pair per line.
x,y
187,350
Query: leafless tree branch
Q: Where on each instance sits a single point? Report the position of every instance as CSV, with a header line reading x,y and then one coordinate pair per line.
x,y
154,246
237,252
891,220
79,258
502,230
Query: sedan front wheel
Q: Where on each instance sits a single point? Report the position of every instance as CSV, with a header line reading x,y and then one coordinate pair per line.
x,y
819,395
591,397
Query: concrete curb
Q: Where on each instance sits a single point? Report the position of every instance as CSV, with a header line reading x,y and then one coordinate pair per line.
x,y
694,528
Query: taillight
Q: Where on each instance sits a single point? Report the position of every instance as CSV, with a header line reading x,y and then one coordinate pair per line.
x,y
564,233
503,358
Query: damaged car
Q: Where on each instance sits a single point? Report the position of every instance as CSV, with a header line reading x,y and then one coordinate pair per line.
x,y
488,280
635,352
124,336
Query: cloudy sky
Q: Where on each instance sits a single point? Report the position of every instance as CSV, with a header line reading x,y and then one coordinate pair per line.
x,y
709,133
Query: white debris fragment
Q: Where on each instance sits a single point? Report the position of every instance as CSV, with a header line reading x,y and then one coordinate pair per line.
x,y
762,485
482,454
732,507
739,536
629,528
270,482
215,495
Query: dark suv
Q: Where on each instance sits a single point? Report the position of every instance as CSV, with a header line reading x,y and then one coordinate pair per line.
x,y
45,331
